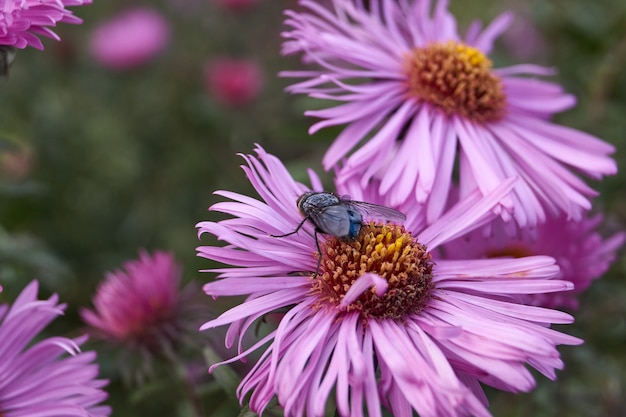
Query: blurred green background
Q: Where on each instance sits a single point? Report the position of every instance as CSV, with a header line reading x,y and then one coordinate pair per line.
x,y
109,162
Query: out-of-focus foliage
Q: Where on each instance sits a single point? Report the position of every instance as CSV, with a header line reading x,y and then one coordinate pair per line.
x,y
109,162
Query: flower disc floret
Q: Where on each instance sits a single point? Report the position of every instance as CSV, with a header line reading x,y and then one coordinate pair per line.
x,y
457,79
386,250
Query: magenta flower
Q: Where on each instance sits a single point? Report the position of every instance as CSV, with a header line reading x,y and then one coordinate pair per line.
x,y
233,82
36,379
580,252
130,39
523,40
381,324
413,93
236,6
141,307
22,21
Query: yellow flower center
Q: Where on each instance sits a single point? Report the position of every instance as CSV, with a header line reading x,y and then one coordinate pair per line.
x,y
457,79
386,250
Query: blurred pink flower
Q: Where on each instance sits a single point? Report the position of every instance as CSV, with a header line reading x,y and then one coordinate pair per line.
x,y
36,379
580,252
523,40
142,306
381,324
17,164
22,21
130,39
416,99
236,5
233,82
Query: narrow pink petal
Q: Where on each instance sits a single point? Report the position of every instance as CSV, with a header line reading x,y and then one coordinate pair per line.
x,y
364,283
349,138
508,286
529,69
543,267
258,306
445,140
244,286
386,136
476,211
485,40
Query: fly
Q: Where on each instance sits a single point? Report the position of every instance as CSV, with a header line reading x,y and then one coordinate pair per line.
x,y
338,216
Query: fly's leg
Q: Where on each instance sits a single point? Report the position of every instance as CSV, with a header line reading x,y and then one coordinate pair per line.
x,y
294,232
317,243
319,254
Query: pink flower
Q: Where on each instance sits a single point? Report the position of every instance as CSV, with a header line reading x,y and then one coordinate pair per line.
x,y
580,252
22,21
236,5
415,96
16,164
381,324
36,379
130,39
523,40
141,307
233,82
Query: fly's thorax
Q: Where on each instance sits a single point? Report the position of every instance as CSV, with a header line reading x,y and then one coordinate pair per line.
x,y
313,200
386,250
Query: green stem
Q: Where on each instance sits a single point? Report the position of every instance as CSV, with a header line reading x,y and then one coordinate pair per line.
x,y
188,386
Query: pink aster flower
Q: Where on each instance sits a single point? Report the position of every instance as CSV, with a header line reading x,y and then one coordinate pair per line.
x,y
36,378
130,39
380,324
22,21
236,6
233,82
415,96
141,307
523,40
580,251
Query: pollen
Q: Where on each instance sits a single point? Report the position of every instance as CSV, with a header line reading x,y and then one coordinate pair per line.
x,y
456,79
386,250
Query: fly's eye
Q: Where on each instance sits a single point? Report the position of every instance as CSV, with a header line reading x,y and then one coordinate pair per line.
x,y
302,198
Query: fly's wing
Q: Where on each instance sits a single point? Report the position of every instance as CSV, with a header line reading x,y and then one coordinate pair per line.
x,y
332,220
375,211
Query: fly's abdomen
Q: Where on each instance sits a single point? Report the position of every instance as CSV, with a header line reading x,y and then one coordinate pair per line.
x,y
356,221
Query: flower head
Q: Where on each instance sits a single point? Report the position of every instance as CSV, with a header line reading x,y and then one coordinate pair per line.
x,y
236,5
36,379
21,21
413,93
579,250
142,306
130,39
233,82
380,324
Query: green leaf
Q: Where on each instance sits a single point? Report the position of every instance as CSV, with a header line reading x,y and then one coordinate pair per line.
x,y
224,375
